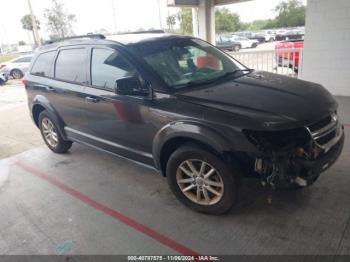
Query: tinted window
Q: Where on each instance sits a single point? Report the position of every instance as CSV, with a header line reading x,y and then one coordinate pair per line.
x,y
107,66
23,60
70,65
43,63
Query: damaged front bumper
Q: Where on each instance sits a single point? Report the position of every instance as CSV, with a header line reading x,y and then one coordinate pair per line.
x,y
325,160
314,150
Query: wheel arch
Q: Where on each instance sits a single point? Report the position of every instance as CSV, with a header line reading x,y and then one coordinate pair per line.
x,y
40,103
174,135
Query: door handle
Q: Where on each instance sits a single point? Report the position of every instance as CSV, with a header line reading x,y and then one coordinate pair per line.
x,y
92,99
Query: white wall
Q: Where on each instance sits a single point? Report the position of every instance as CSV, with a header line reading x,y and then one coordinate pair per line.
x,y
327,45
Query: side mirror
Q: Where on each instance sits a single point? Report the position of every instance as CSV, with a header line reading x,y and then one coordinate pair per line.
x,y
130,86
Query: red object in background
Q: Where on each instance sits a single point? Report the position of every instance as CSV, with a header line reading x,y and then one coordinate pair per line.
x,y
24,82
208,61
292,56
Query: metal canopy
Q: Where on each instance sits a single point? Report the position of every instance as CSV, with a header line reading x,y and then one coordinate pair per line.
x,y
203,15
195,3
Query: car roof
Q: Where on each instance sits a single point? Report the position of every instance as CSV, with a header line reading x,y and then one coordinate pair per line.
x,y
22,56
120,39
127,39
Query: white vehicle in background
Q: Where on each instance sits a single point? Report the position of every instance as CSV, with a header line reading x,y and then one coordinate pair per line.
x,y
16,68
3,79
244,41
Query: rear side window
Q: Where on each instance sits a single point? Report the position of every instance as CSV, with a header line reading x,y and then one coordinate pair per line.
x,y
107,66
70,65
43,63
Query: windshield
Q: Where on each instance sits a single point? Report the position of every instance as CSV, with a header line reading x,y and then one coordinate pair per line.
x,y
183,62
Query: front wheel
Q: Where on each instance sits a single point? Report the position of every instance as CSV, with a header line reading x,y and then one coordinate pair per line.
x,y
201,180
51,135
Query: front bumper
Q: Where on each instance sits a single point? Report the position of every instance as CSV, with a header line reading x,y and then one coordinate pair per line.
x,y
4,76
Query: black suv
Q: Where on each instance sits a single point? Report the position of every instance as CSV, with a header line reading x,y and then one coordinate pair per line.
x,y
179,104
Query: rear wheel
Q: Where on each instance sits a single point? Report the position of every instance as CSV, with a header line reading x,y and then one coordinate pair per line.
x,y
16,74
51,135
236,48
201,180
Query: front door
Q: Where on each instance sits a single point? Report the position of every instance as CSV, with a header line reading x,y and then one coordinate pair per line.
x,y
116,122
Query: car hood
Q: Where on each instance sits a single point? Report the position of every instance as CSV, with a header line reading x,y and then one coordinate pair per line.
x,y
273,99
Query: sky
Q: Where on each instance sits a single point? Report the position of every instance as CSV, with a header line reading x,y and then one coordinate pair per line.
x,y
112,15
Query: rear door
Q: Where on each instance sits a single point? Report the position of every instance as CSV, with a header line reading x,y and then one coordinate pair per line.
x,y
66,88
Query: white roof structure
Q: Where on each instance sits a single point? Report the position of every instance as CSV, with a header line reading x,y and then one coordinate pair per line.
x,y
203,15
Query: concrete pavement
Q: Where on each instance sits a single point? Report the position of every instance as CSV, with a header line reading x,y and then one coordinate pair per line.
x,y
17,132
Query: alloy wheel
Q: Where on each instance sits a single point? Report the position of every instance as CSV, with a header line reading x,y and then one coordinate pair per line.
x,y
49,132
200,182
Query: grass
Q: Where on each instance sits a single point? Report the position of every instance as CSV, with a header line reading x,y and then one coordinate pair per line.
x,y
5,58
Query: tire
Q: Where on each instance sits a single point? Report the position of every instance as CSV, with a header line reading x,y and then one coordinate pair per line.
x,y
236,48
16,74
54,140
209,203
254,45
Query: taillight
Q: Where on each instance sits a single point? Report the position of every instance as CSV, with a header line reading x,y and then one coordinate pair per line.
x,y
2,66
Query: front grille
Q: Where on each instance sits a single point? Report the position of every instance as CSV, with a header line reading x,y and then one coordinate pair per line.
x,y
325,139
318,125
325,131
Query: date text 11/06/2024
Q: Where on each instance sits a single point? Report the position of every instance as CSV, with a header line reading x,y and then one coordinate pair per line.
x,y
173,258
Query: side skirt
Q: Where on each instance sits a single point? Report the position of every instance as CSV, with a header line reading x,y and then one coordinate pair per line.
x,y
136,156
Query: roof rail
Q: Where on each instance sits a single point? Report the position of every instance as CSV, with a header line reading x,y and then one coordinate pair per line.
x,y
155,31
95,36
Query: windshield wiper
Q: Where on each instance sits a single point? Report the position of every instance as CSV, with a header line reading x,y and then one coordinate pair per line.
x,y
248,70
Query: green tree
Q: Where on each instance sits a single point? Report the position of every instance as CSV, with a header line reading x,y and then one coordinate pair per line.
x,y
171,21
184,16
28,25
226,21
59,22
290,13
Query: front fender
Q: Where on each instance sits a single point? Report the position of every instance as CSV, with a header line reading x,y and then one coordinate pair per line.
x,y
191,130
